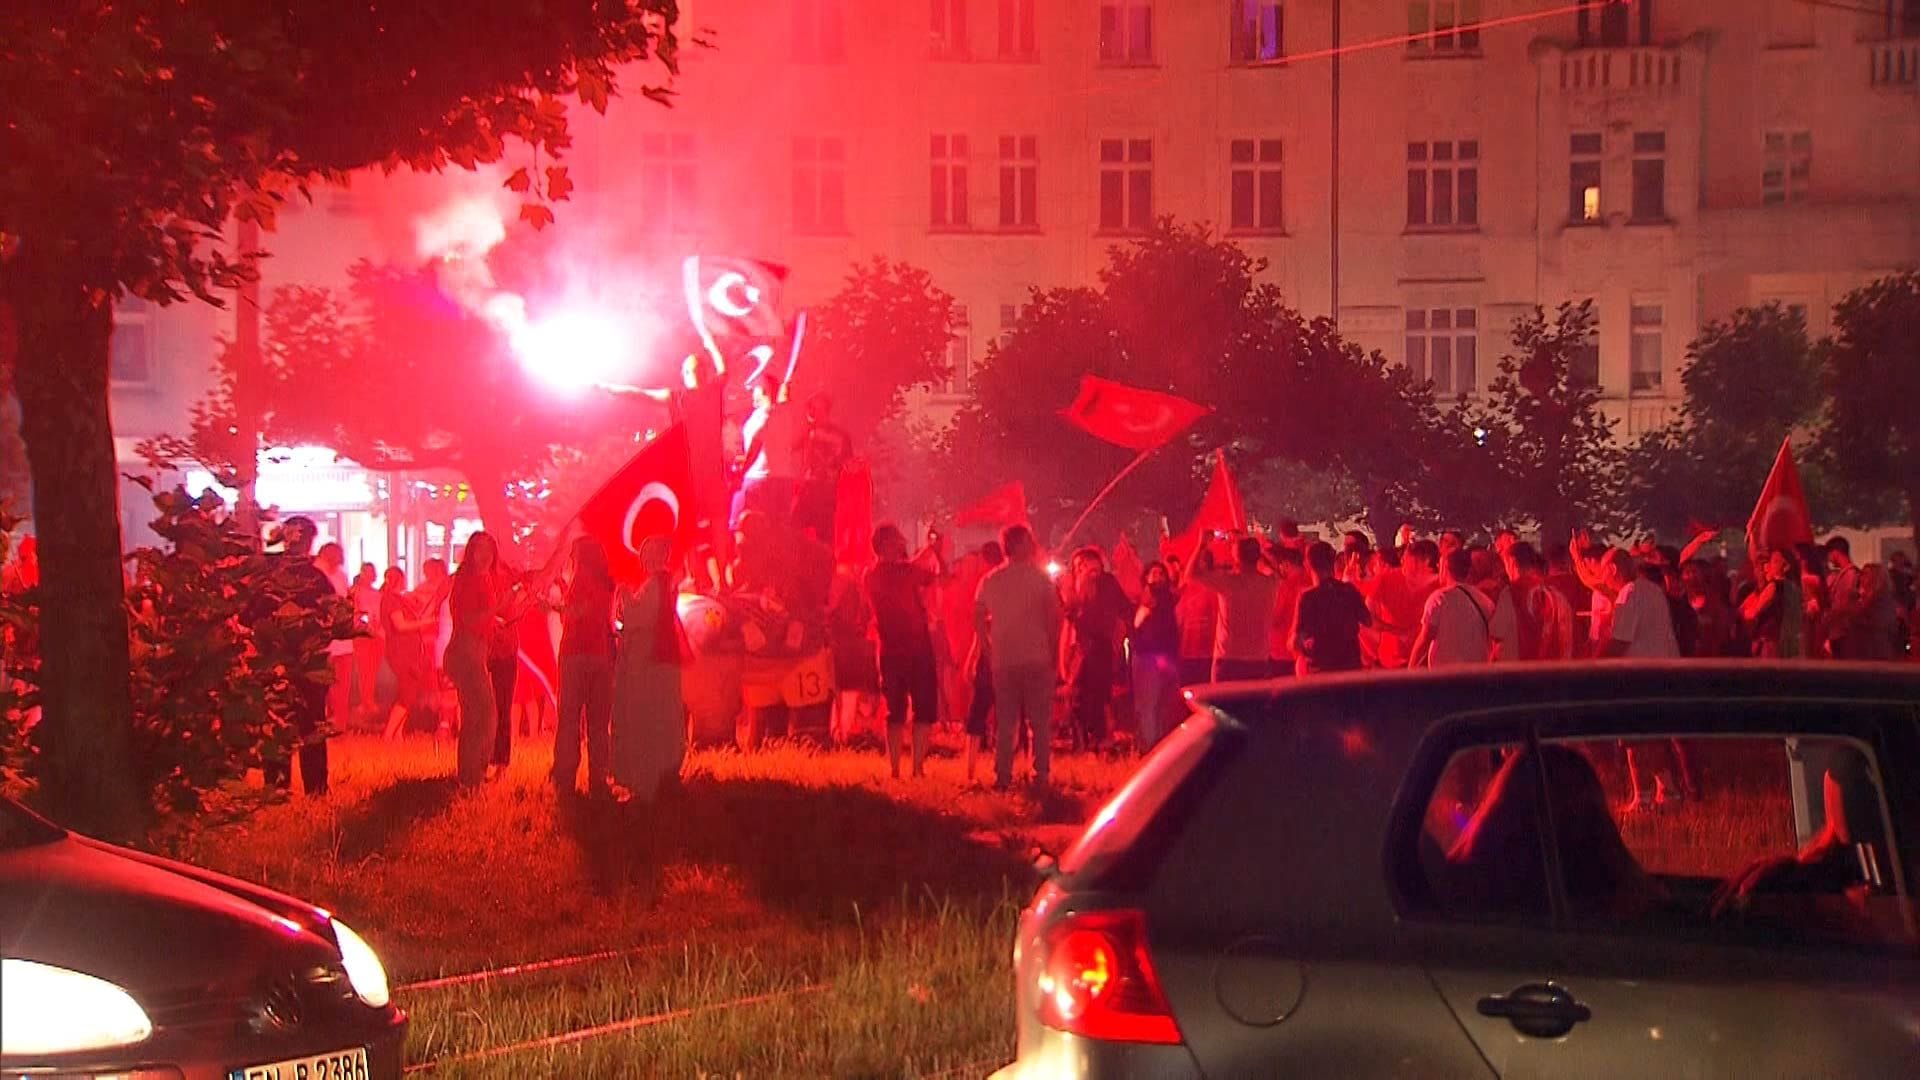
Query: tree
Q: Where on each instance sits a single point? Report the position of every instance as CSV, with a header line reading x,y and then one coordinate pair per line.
x,y
884,334
1869,440
134,133
1552,451
1750,381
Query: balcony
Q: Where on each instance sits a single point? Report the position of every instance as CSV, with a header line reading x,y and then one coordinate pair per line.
x,y
1894,65
1650,69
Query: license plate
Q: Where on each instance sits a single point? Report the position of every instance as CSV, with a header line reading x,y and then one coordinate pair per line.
x,y
338,1065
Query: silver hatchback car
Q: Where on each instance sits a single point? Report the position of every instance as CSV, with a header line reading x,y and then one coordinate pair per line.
x,y
1609,870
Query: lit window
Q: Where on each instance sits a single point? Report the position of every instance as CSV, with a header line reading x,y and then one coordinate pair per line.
x,y
819,31
947,29
1443,347
1789,167
1126,32
1583,177
1443,184
1258,31
1256,185
819,185
1649,176
1017,36
130,350
1443,26
667,187
1126,185
1647,369
949,182
1019,182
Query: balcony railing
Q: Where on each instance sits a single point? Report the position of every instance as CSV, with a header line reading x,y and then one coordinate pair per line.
x,y
1646,69
1894,65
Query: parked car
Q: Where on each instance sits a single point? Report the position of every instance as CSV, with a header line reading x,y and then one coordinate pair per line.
x,y
116,963
1449,874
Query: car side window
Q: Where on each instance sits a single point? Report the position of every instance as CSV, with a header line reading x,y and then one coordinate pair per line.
x,y
1477,853
1778,838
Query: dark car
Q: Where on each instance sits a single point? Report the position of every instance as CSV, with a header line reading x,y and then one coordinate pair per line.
x,y
1512,871
115,963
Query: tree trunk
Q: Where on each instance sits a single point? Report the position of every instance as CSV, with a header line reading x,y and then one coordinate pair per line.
x,y
489,486
86,766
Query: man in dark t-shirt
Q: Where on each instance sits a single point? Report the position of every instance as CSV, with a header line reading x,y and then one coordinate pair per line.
x,y
909,678
1326,627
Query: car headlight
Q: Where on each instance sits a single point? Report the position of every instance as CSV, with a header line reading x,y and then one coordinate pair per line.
x,y
369,979
50,1010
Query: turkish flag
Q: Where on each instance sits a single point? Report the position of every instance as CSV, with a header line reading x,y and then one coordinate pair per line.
x,y
734,297
1780,519
1129,416
853,515
539,660
1222,510
1007,505
1128,567
651,495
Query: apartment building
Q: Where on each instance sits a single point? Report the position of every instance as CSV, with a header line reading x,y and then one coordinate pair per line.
x,y
1669,161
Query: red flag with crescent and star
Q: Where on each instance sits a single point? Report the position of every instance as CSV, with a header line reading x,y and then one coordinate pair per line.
x,y
1222,510
734,298
1129,416
651,495
1780,519
1007,505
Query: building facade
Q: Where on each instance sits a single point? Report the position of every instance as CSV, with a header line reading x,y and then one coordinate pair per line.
x,y
1424,171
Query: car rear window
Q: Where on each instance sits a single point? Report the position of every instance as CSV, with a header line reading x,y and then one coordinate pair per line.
x,y
1131,832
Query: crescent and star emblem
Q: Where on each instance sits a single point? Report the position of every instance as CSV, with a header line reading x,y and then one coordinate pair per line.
x,y
652,493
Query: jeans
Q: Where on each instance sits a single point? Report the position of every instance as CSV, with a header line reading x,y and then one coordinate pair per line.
x,y
910,679
586,701
1023,692
466,663
1156,697
503,671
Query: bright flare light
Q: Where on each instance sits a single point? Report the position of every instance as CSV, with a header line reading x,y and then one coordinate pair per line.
x,y
570,352
50,1010
369,979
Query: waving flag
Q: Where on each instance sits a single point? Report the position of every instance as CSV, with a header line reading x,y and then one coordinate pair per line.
x,y
651,495
1780,519
1129,416
733,298
1007,505
1222,510
1128,567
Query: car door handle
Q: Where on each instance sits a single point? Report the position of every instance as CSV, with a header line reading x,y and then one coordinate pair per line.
x,y
1541,1010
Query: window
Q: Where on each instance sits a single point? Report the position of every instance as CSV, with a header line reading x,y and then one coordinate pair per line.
x,y
1126,185
1761,839
130,349
1017,38
1256,186
1258,31
1443,184
1126,32
948,208
1789,167
1604,22
1443,26
1647,367
819,185
947,29
1443,347
1019,182
1009,318
667,187
1649,176
959,353
1585,368
1583,177
819,31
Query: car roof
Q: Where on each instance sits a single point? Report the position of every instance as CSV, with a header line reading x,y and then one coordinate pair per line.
x,y
1492,685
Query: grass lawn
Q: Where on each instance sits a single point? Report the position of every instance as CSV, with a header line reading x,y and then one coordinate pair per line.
x,y
866,922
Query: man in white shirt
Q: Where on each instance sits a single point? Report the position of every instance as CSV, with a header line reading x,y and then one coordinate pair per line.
x,y
770,442
1642,622
1457,626
1017,610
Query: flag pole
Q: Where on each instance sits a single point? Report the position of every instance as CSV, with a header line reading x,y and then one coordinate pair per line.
x,y
1104,492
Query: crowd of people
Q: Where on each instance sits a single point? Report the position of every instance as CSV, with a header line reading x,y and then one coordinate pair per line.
x,y
1094,648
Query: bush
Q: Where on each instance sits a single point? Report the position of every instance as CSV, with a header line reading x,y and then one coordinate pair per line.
x,y
215,640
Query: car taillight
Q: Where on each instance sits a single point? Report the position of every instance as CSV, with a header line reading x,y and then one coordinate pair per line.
x,y
1097,980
